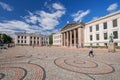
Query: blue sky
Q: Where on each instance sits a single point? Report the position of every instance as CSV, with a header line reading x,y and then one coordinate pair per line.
x,y
49,16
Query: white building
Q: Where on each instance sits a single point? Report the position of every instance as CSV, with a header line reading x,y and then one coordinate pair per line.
x,y
57,39
97,32
93,33
31,39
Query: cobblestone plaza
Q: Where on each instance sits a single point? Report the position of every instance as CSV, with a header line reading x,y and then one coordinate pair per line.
x,y
55,63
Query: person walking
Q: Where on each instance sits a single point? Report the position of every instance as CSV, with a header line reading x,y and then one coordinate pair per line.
x,y
91,52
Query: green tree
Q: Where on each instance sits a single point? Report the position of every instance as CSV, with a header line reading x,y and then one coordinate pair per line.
x,y
51,38
5,38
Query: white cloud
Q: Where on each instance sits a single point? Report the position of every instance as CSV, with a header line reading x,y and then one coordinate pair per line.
x,y
6,6
58,6
16,25
38,21
80,14
112,7
31,18
46,20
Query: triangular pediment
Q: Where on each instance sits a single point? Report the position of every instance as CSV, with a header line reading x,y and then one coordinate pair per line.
x,y
72,25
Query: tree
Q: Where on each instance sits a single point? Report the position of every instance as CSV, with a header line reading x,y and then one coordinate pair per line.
x,y
5,38
51,39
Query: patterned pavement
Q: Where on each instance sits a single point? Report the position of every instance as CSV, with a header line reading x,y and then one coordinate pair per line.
x,y
52,63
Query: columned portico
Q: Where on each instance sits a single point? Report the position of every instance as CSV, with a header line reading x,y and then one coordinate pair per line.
x,y
72,35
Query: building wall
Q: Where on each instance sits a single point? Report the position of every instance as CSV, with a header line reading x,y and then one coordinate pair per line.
x,y
31,39
109,30
57,39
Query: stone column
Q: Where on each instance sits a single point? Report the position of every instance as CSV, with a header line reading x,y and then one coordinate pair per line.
x,y
67,39
70,38
75,38
64,38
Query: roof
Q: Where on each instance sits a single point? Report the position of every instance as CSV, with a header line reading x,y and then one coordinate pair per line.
x,y
109,15
71,25
27,34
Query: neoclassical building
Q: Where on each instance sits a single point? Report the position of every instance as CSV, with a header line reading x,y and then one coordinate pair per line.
x,y
72,34
93,33
31,39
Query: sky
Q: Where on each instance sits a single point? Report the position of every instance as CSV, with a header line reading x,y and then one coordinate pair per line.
x,y
49,16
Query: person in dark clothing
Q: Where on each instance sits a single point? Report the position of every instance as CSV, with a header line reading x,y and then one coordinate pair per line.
x,y
91,52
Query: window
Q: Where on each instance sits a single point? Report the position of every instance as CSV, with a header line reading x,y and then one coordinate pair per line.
x,y
116,44
97,36
25,37
97,27
37,42
18,41
105,25
90,37
21,41
105,44
115,23
31,37
105,36
37,37
115,34
18,36
22,37
97,44
34,37
25,41
90,44
90,28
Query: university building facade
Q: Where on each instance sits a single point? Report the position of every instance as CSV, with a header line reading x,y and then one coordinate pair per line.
x,y
31,39
93,33
57,39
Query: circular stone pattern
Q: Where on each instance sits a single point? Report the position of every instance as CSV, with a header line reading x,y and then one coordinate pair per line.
x,y
21,71
83,66
14,58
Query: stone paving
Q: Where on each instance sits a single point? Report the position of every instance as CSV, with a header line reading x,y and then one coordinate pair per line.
x,y
53,63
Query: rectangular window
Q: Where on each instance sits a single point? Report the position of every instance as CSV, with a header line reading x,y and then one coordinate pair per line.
x,y
31,37
97,27
90,37
90,28
97,36
18,36
105,44
105,25
115,23
116,44
105,36
18,41
22,37
25,41
37,37
37,42
97,44
25,37
115,34
21,41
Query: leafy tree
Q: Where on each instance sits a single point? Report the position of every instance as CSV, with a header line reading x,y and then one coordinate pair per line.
x,y
51,39
5,38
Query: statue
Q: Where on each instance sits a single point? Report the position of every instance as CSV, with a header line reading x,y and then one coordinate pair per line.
x,y
111,38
